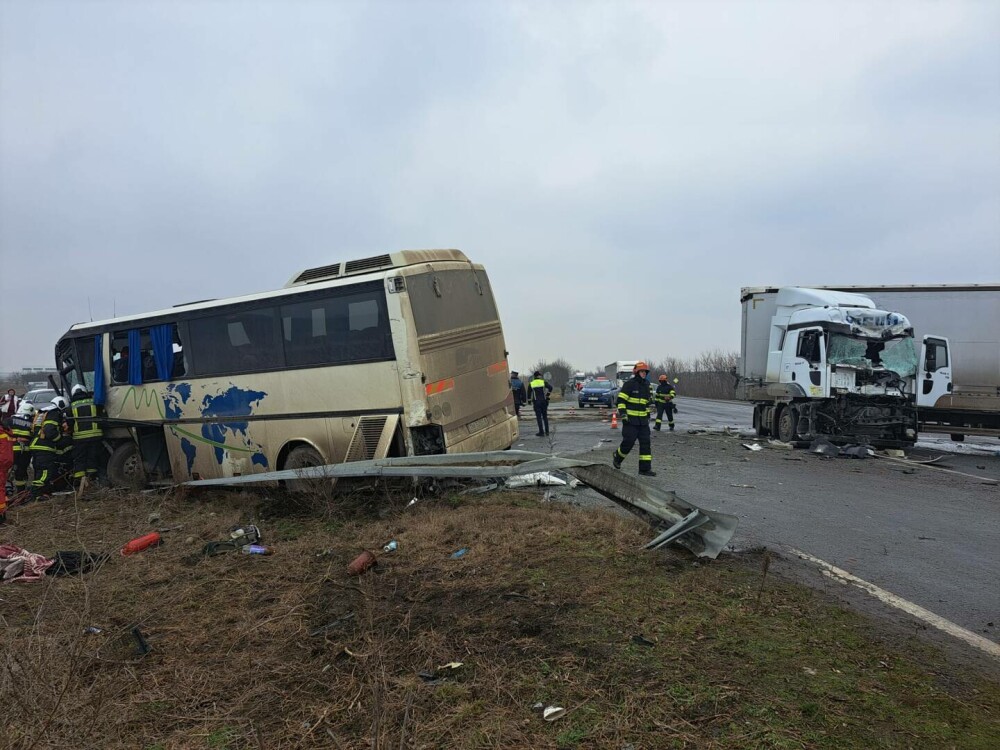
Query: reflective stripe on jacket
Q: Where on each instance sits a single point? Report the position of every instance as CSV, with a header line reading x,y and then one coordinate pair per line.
x,y
634,398
84,419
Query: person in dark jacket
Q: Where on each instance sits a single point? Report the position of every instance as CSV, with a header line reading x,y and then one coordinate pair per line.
x,y
665,393
517,388
87,434
540,390
633,410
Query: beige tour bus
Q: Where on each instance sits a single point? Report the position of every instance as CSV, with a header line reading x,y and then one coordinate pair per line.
x,y
394,355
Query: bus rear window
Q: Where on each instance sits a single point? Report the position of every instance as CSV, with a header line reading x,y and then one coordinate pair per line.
x,y
447,300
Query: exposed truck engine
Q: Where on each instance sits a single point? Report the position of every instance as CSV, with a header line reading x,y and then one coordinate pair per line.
x,y
821,362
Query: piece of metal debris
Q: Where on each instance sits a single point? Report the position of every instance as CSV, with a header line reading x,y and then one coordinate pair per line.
x,y
753,446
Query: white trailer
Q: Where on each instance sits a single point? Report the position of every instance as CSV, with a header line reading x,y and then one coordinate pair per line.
x,y
825,362
968,317
620,371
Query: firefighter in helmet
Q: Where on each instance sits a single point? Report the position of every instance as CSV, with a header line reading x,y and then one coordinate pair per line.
x,y
633,409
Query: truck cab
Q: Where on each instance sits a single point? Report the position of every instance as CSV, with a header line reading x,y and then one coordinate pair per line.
x,y
838,366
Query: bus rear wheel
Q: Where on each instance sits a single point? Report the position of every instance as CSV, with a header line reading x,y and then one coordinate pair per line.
x,y
125,467
304,457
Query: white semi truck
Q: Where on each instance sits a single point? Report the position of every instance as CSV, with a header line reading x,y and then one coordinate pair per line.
x,y
824,362
967,316
620,371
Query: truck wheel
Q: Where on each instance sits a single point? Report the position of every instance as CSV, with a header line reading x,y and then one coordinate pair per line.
x,y
758,422
302,457
958,438
787,419
125,467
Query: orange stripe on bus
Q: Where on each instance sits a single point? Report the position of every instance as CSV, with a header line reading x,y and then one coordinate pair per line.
x,y
497,368
440,386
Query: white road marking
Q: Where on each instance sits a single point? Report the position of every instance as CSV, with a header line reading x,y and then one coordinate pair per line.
x,y
947,626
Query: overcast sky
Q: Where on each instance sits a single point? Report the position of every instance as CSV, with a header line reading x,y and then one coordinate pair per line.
x,y
621,169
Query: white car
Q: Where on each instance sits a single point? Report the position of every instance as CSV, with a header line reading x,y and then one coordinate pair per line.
x,y
39,397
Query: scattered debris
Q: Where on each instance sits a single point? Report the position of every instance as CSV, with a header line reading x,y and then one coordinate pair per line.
x,y
809,671
412,502
68,563
857,451
927,538
539,478
753,446
895,452
641,640
91,630
153,517
459,553
391,546
823,447
361,563
780,445
744,486
553,712
152,539
256,549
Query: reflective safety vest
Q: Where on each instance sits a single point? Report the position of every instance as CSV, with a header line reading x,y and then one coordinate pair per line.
x,y
538,387
22,430
47,438
633,400
84,419
664,392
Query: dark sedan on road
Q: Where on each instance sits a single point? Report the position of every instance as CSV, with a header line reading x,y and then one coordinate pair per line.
x,y
598,393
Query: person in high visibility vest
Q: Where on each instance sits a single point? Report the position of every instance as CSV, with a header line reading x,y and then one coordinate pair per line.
x,y
46,450
540,390
633,410
665,393
87,434
22,428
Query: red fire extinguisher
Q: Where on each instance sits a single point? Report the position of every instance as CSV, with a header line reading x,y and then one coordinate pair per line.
x,y
143,542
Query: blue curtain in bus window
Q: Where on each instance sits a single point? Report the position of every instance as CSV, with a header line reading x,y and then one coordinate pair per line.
x,y
134,357
163,350
99,369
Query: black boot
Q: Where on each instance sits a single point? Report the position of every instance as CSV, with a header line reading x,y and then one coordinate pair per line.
x,y
671,428
616,460
647,473
539,434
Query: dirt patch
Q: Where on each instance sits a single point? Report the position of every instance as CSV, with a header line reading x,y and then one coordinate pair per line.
x,y
549,604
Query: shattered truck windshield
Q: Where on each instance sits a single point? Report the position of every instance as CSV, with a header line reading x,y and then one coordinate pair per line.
x,y
896,355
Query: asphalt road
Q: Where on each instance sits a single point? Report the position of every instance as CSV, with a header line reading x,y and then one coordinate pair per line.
x,y
925,535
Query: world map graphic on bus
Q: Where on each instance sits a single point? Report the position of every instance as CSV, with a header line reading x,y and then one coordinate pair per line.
x,y
233,402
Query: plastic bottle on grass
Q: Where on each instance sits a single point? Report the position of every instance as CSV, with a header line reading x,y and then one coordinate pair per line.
x,y
256,549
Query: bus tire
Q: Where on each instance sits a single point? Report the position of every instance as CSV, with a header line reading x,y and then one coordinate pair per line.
x,y
125,467
302,457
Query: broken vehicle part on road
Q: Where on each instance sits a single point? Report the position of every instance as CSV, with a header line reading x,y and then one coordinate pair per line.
x,y
704,532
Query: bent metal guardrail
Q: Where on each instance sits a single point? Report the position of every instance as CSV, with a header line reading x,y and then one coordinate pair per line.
x,y
704,532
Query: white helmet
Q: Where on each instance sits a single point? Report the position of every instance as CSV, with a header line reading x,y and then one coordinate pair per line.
x,y
27,408
77,389
59,402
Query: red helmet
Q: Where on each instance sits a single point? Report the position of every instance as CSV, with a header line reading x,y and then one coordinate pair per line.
x,y
640,366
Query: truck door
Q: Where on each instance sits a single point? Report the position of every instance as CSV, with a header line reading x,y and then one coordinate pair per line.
x,y
807,365
934,373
